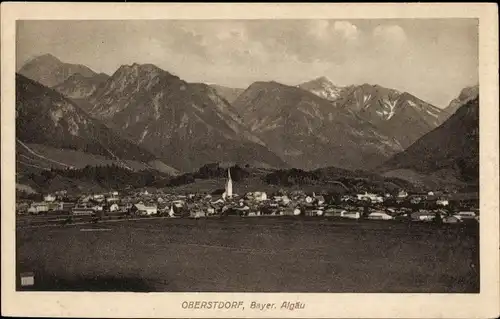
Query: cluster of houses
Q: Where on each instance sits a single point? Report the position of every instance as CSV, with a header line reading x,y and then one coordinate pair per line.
x,y
259,203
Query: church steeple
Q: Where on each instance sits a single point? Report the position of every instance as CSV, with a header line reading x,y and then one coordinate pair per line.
x,y
229,185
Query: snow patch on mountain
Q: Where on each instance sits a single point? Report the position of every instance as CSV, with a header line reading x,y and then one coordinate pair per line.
x,y
366,98
412,103
431,113
392,106
323,88
144,133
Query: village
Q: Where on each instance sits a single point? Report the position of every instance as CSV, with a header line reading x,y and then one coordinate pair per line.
x,y
426,207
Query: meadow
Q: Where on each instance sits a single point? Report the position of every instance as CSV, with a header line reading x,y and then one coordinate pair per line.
x,y
267,254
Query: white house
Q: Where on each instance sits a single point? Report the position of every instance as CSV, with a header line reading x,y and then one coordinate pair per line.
x,y
335,212
379,215
210,211
374,198
402,194
114,207
36,208
198,214
423,216
260,196
465,215
442,202
97,208
142,209
49,198
351,215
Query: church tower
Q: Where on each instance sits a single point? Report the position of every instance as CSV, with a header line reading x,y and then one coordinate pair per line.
x,y
229,185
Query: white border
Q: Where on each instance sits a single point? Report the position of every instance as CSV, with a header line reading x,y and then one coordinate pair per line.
x,y
483,305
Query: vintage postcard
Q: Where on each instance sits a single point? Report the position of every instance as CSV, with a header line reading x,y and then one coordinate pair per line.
x,y
250,160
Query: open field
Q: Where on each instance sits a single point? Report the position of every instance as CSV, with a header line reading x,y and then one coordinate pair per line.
x,y
271,254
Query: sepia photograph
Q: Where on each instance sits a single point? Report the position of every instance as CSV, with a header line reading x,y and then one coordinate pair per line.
x,y
249,155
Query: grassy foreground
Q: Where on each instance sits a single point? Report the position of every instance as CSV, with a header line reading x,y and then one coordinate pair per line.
x,y
252,254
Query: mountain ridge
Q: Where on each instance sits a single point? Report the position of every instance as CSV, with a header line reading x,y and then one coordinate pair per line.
x,y
291,121
50,71
187,124
46,117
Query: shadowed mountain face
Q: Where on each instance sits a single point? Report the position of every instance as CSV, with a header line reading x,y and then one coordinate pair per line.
x,y
186,124
78,86
308,131
453,146
44,116
50,71
466,95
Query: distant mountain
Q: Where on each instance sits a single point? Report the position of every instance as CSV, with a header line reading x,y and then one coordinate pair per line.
x,y
467,94
78,86
308,132
230,94
46,118
452,148
324,88
398,115
50,71
186,124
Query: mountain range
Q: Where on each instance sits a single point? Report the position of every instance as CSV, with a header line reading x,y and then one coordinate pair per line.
x,y
145,114
308,132
398,115
186,124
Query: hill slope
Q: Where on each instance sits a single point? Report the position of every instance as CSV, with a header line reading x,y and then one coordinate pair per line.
x,y
452,147
45,117
78,86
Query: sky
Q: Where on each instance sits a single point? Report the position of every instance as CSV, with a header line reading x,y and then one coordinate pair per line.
x,y
430,58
